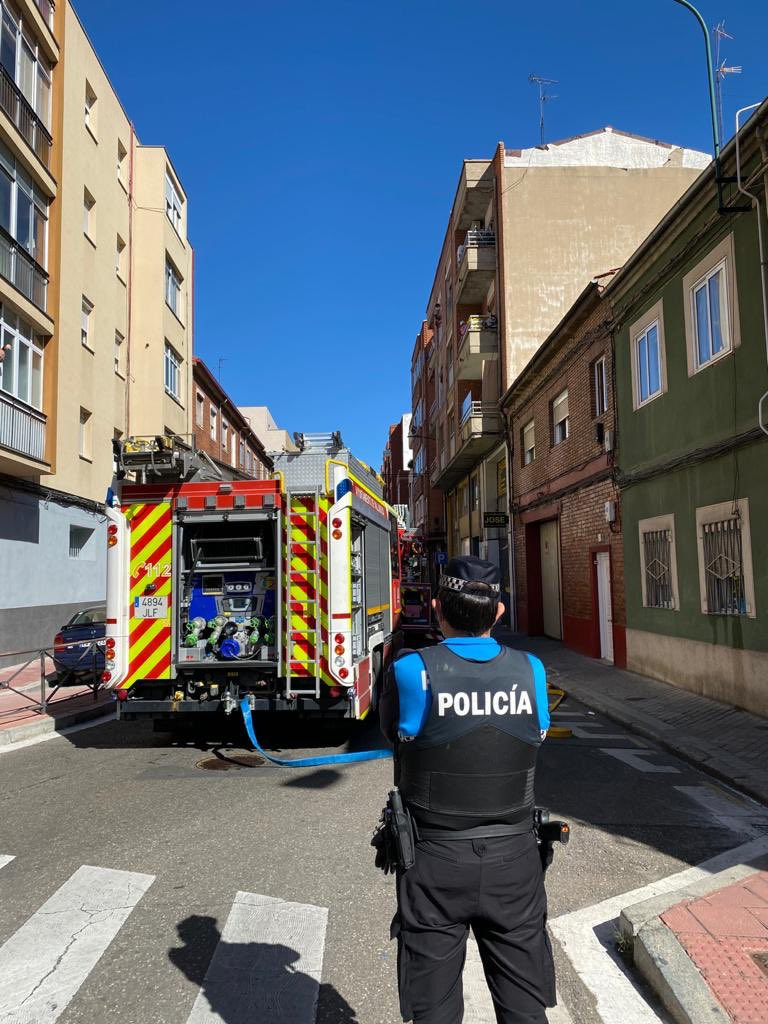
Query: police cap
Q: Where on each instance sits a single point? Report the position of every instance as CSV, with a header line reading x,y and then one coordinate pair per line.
x,y
460,571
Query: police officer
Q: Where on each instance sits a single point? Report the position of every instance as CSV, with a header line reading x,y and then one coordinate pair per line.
x,y
466,719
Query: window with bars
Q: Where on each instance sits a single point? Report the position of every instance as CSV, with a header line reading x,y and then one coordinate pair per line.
x,y
724,567
657,566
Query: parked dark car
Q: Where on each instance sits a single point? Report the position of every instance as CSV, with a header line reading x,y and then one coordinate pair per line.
x,y
78,648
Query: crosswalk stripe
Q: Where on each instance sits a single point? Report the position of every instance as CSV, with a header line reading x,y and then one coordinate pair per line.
x,y
267,965
5,859
47,960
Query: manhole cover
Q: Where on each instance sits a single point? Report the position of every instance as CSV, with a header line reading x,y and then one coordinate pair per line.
x,y
221,763
761,959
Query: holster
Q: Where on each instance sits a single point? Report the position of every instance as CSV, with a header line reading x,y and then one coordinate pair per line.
x,y
393,838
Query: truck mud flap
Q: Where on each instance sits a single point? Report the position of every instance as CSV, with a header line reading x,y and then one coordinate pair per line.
x,y
306,762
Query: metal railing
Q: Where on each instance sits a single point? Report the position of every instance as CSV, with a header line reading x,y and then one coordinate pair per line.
x,y
22,429
470,409
657,549
18,267
473,240
24,117
724,567
85,670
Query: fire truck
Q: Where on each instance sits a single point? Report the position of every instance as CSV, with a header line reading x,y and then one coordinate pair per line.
x,y
282,591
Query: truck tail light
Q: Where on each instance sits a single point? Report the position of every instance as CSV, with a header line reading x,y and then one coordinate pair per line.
x,y
343,673
110,644
336,524
339,649
111,535
336,534
120,694
106,677
339,638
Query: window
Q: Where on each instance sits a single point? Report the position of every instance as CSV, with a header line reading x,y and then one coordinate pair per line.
x,y
248,460
119,339
725,559
711,307
80,547
120,257
647,356
90,109
199,409
122,154
529,443
172,288
560,418
224,434
475,493
25,65
23,214
658,568
21,372
463,499
600,385
86,324
242,452
88,216
172,375
173,203
214,425
85,434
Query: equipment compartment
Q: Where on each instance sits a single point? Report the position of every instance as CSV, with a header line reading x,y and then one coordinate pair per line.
x,y
229,611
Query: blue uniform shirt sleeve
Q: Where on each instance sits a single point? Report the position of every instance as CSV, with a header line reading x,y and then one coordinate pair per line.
x,y
414,695
540,683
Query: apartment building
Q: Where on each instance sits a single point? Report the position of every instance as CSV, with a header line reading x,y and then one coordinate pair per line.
x,y
221,430
527,230
396,462
692,401
426,502
96,297
262,423
561,422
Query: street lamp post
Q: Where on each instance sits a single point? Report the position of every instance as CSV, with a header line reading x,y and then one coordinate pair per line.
x,y
719,179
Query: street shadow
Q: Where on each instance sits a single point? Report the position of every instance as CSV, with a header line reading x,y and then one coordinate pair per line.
x,y
321,778
244,982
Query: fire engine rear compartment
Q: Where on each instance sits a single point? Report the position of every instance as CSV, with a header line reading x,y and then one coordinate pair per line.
x,y
228,609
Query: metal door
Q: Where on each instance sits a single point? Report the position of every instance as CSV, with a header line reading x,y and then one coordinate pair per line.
x,y
550,578
605,608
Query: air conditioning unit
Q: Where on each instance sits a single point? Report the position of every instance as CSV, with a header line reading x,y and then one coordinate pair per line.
x,y
608,440
610,511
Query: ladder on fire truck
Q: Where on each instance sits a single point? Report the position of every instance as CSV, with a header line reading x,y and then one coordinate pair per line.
x,y
302,591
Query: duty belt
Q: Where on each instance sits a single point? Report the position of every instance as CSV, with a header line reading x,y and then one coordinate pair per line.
x,y
519,828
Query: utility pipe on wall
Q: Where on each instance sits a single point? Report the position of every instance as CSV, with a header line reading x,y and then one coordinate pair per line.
x,y
763,403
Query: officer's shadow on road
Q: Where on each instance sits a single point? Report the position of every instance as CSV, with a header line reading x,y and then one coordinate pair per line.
x,y
245,982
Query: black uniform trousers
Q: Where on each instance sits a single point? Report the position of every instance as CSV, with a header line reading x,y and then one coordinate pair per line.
x,y
495,887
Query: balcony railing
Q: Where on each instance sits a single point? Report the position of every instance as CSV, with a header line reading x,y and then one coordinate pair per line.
x,y
21,428
18,267
24,117
470,409
47,7
475,240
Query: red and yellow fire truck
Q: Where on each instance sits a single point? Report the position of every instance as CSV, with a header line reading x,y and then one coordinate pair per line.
x,y
282,591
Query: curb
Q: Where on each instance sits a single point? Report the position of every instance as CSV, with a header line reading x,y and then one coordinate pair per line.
x,y
663,962
41,726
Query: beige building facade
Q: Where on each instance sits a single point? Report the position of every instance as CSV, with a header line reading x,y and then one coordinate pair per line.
x,y
96,298
528,229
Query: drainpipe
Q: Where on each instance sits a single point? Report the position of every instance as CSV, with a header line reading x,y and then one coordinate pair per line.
x,y
762,407
128,338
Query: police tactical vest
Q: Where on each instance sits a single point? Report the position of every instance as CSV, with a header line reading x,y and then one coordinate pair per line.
x,y
473,762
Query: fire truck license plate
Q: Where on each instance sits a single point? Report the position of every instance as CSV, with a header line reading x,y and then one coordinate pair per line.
x,y
150,607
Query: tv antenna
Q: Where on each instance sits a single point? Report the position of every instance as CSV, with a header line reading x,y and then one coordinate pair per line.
x,y
544,97
721,70
222,359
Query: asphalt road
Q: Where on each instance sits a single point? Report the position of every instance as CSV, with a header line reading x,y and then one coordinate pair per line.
x,y
123,798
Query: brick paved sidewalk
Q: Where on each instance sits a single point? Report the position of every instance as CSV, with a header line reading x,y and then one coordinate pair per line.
x,y
726,936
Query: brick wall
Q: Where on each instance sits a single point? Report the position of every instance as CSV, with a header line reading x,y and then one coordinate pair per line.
x,y
570,481
209,405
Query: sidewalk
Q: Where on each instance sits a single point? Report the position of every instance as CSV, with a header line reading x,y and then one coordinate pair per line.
x,y
21,719
703,949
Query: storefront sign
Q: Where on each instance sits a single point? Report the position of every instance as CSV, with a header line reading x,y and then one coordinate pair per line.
x,y
491,519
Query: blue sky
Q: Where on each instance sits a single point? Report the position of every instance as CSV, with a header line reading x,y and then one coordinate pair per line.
x,y
320,147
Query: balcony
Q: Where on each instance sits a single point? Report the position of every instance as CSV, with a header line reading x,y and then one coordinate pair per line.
x,y
474,194
23,116
479,432
46,8
479,341
21,429
20,270
476,263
